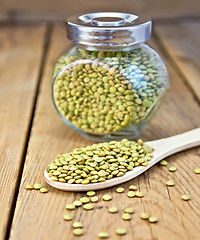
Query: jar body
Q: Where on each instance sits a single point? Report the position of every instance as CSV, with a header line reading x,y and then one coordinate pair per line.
x,y
108,95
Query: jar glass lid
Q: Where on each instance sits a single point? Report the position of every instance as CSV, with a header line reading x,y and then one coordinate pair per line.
x,y
108,30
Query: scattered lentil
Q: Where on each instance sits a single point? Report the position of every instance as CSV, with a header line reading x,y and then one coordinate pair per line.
x,y
172,169
107,197
129,210
113,210
144,216
121,231
77,225
126,216
153,219
170,183
94,199
197,170
163,163
131,194
37,186
70,206
120,190
103,235
88,206
67,217
29,187
78,231
186,197
43,190
139,194
84,200
77,203
133,187
91,193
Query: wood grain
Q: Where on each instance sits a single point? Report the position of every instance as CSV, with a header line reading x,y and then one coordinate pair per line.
x,y
20,59
60,9
39,216
181,41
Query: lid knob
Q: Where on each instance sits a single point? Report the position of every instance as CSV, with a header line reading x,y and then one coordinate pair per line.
x,y
108,21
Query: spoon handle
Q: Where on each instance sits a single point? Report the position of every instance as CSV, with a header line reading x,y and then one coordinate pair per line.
x,y
168,146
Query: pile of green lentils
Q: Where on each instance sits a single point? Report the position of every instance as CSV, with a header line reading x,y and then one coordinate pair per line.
x,y
99,162
105,92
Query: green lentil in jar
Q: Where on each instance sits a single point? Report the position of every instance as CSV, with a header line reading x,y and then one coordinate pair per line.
x,y
104,92
99,162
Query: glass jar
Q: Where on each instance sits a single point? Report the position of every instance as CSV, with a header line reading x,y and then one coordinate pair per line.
x,y
109,84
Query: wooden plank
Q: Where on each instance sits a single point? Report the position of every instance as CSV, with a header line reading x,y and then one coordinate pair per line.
x,y
19,65
28,9
39,216
181,41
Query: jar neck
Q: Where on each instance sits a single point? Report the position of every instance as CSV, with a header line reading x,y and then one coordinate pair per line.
x,y
109,48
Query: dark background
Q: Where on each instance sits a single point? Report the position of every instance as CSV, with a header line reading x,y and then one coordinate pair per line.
x,y
59,9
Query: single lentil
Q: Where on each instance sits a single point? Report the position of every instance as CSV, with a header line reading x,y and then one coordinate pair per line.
x,y
129,210
67,217
78,231
90,193
163,163
37,186
172,169
121,231
77,225
120,190
186,197
84,200
139,194
153,219
107,197
126,216
77,203
99,162
88,206
133,187
197,170
94,199
144,216
170,183
70,206
103,235
113,209
43,190
29,187
131,194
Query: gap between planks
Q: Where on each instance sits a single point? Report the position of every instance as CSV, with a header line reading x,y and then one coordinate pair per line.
x,y
27,137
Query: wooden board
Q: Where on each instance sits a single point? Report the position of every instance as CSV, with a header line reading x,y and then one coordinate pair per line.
x,y
181,41
60,9
20,59
39,216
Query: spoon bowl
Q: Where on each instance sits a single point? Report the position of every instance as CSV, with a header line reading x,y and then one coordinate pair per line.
x,y
162,148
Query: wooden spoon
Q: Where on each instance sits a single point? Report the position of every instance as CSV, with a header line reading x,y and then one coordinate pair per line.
x,y
162,148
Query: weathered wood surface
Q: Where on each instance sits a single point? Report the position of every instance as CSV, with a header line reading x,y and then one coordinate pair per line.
x,y
60,9
39,216
181,41
20,59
